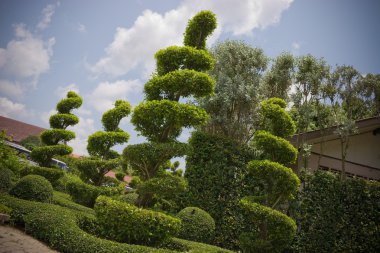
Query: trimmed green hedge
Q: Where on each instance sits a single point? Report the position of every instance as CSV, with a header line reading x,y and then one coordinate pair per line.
x,y
58,227
124,222
5,179
65,200
33,187
51,174
337,216
197,225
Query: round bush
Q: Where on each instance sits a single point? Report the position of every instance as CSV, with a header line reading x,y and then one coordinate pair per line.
x,y
197,225
5,179
33,187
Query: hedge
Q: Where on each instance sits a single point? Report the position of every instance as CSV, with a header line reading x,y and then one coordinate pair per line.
x,y
132,224
65,200
51,174
337,216
58,227
33,187
5,179
197,225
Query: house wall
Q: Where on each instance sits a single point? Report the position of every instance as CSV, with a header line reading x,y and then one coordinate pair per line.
x,y
363,155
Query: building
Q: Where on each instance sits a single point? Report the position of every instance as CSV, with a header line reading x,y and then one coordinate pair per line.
x,y
363,153
18,130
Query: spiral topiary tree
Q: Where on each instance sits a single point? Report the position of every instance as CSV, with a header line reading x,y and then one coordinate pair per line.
x,y
56,138
103,158
161,117
271,183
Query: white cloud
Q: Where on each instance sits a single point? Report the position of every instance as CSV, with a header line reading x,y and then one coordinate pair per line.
x,y
61,91
82,130
81,28
296,45
45,116
11,89
26,56
106,93
152,31
11,109
47,14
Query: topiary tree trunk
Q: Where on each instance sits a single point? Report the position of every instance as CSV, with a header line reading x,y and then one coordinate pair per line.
x,y
272,184
160,118
103,159
57,137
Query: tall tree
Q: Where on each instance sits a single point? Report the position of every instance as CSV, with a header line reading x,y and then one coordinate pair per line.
x,y
271,183
56,138
161,117
233,107
103,158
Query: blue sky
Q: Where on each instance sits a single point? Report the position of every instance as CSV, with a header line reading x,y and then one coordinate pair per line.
x,y
104,49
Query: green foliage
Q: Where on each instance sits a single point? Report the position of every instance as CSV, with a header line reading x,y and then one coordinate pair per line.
x,y
120,176
163,120
175,58
92,170
51,174
179,83
33,187
133,225
58,134
197,225
31,142
277,81
165,191
276,119
215,168
43,154
280,229
199,28
5,179
233,107
275,148
65,200
146,158
111,118
4,209
99,143
8,156
337,216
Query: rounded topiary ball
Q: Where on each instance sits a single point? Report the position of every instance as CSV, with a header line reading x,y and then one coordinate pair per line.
x,y
33,187
197,225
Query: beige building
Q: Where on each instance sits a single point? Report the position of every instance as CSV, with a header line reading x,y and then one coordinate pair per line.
x,y
363,153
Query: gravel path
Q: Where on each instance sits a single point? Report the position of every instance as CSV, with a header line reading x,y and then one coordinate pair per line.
x,y
13,240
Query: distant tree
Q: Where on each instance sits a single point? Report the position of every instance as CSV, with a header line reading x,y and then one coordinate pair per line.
x,y
271,183
233,107
56,138
103,158
160,118
31,142
278,80
369,91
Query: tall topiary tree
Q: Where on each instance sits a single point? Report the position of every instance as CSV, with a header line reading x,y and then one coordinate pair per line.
x,y
56,138
271,183
161,117
103,158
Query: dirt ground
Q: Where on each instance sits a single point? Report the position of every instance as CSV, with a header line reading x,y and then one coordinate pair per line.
x,y
13,240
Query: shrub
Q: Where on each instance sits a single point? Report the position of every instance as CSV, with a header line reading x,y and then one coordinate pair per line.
x,y
130,198
4,209
51,174
120,176
33,187
197,225
133,225
65,200
5,179
337,216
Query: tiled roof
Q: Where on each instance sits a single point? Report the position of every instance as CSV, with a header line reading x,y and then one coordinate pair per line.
x,y
18,130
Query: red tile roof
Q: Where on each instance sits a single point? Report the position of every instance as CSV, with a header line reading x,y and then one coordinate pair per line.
x,y
18,130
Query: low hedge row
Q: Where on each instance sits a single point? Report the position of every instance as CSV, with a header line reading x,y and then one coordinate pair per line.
x,y
123,222
58,227
64,199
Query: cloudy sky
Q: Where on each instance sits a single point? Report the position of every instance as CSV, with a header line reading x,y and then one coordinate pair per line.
x,y
104,49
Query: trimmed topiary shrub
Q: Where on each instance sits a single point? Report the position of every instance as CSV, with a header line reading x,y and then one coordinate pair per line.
x,y
82,193
5,179
33,187
4,209
197,225
124,222
51,174
120,175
